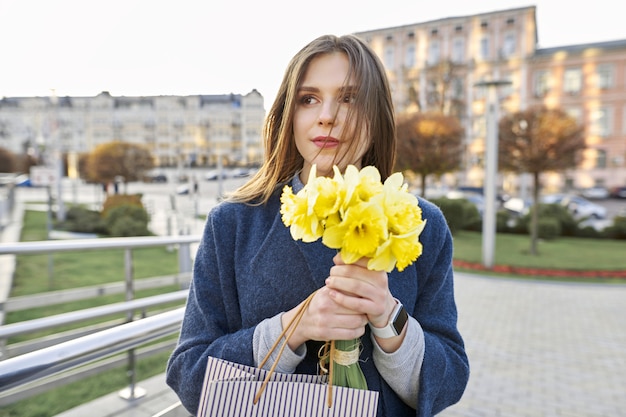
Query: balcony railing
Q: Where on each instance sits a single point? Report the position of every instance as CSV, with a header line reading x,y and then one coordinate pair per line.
x,y
42,368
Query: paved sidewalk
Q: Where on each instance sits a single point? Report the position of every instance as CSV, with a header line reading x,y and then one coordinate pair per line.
x,y
541,348
159,400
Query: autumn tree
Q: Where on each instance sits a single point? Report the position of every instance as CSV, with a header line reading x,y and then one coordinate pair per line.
x,y
83,164
535,141
428,144
8,160
443,89
118,159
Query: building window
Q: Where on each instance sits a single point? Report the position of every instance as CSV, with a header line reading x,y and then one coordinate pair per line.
x,y
433,52
458,87
542,83
480,126
389,58
508,47
601,122
506,90
572,81
409,57
458,50
575,113
604,74
480,91
600,158
484,47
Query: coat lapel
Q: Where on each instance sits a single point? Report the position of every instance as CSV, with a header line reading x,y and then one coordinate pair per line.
x,y
278,254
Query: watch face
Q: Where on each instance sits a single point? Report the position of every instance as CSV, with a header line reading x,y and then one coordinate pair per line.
x,y
400,320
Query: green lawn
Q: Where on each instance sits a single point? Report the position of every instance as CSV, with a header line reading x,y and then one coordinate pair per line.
x,y
560,253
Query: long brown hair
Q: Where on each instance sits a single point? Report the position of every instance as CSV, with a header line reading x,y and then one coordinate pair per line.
x,y
372,108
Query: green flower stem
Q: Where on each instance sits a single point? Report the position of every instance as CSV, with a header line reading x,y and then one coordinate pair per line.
x,y
350,376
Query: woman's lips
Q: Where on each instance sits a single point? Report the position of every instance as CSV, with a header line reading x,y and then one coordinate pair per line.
x,y
325,142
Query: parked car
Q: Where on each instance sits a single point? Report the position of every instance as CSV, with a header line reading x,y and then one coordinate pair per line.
x,y
476,199
158,178
182,189
517,206
552,198
618,192
214,174
595,193
241,172
582,208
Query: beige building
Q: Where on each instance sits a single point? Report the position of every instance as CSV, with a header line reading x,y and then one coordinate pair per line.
x,y
589,82
179,130
430,65
436,65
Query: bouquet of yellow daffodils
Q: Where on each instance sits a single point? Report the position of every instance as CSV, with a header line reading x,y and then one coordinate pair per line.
x,y
360,216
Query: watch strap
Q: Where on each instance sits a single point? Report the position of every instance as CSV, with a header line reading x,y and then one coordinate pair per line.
x,y
396,323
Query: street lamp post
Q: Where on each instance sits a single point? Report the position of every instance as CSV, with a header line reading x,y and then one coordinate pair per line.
x,y
491,171
57,156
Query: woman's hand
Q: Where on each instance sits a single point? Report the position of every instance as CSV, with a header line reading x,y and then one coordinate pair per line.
x,y
358,289
325,319
353,295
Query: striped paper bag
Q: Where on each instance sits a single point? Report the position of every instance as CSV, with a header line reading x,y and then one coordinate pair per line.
x,y
229,390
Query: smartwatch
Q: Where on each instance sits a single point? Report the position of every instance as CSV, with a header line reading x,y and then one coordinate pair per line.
x,y
396,323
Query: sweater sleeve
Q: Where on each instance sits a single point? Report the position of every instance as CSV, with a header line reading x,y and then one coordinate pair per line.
x,y
401,369
265,335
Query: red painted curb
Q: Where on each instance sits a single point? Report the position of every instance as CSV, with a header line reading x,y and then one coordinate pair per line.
x,y
520,270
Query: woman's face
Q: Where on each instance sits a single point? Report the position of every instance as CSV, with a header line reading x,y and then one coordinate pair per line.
x,y
322,103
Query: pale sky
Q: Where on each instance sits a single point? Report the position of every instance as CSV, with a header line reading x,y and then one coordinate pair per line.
x,y
187,47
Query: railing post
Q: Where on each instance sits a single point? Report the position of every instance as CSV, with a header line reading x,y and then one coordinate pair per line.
x,y
128,278
184,257
131,392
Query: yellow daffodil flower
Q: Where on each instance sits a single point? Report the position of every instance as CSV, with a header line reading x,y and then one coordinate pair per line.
x,y
360,216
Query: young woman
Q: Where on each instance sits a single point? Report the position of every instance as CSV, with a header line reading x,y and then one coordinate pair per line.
x,y
250,276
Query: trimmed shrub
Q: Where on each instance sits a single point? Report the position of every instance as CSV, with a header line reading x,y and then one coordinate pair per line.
x,y
82,220
590,232
127,220
510,223
618,229
459,213
568,226
117,200
548,228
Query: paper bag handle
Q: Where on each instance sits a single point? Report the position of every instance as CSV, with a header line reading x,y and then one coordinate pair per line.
x,y
288,331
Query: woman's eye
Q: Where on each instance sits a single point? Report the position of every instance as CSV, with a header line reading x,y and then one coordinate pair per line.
x,y
308,100
348,99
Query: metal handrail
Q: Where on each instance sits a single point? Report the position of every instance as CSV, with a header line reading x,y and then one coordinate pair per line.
x,y
48,246
30,326
53,360
64,356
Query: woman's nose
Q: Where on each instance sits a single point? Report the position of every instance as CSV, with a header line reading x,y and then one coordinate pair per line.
x,y
328,113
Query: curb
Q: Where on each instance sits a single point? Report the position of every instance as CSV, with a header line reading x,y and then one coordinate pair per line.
x,y
547,272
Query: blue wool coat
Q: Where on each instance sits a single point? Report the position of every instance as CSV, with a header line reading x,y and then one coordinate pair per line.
x,y
248,268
